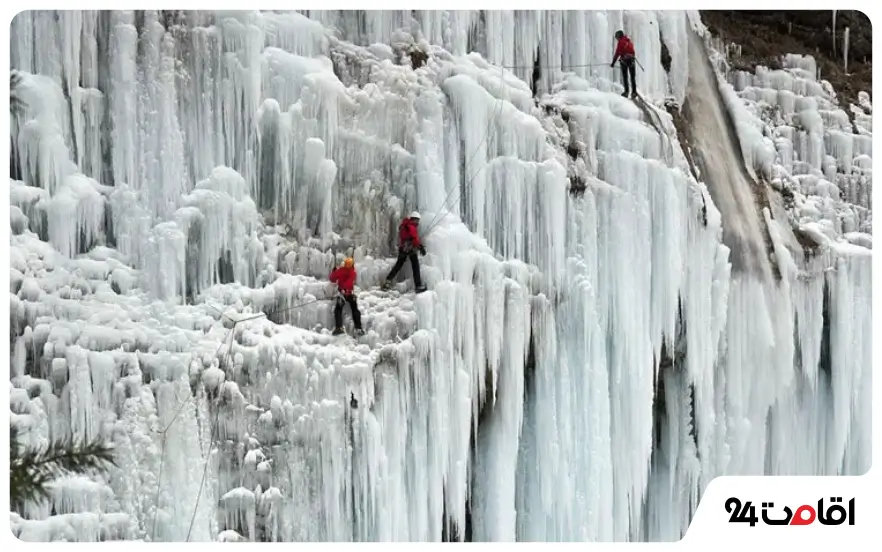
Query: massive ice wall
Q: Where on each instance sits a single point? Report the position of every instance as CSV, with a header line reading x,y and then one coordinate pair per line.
x,y
587,357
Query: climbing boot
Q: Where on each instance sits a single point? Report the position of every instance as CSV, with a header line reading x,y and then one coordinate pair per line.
x,y
359,332
421,288
387,285
337,331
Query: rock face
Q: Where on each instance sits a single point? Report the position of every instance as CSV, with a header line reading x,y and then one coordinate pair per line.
x,y
765,36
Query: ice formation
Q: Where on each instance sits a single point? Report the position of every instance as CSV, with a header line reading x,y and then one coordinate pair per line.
x,y
593,349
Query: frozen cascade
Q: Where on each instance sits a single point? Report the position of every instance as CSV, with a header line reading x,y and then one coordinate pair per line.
x,y
591,352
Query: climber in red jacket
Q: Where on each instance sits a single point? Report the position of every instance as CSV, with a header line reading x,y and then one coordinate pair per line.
x,y
408,245
344,277
625,53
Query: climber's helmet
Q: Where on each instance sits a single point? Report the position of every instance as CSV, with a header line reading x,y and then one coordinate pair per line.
x,y
619,34
348,262
415,215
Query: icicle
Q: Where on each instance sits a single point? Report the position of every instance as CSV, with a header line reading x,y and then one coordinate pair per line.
x,y
834,32
76,216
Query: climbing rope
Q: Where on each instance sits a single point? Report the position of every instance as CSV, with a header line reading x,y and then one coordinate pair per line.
x,y
205,469
562,67
164,434
213,433
497,111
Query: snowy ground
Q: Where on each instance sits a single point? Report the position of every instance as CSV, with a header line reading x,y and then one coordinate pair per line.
x,y
175,214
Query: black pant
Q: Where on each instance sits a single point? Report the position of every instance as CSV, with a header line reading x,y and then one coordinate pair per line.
x,y
414,264
629,68
353,305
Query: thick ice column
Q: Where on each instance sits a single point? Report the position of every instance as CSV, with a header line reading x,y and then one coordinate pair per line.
x,y
160,177
453,370
76,216
474,141
602,26
70,24
705,313
551,48
584,412
429,146
217,221
274,185
173,174
200,86
538,517
493,486
661,195
167,248
88,52
43,153
459,24
673,492
317,184
379,25
240,89
500,130
23,41
850,347
672,27
757,364
500,29
575,53
123,98
392,524
48,58
88,129
524,213
184,496
630,358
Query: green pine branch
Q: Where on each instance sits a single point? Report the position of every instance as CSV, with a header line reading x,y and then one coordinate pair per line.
x,y
32,471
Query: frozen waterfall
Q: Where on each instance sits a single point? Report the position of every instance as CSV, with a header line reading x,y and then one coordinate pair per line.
x,y
593,348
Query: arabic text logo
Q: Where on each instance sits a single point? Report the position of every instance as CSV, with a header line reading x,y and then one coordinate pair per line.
x,y
834,514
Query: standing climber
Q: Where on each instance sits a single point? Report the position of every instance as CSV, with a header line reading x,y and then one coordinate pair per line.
x,y
408,245
625,53
344,277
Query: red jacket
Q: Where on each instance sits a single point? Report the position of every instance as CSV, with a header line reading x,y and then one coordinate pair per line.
x,y
344,278
407,233
624,48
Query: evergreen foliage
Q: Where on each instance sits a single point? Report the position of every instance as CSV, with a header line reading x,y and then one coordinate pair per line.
x,y
31,471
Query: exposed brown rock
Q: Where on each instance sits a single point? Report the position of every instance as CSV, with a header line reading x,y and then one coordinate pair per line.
x,y
765,36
